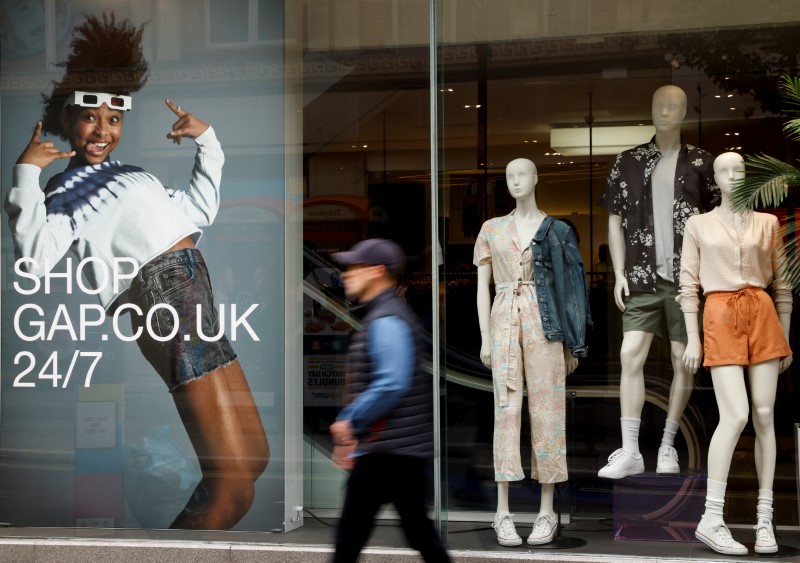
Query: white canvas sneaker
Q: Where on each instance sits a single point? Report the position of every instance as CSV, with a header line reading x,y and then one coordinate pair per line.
x,y
765,537
719,539
621,464
544,530
667,461
505,530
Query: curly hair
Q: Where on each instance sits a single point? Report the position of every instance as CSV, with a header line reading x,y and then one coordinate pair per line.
x,y
106,57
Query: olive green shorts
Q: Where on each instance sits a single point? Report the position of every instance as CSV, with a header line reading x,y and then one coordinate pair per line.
x,y
657,313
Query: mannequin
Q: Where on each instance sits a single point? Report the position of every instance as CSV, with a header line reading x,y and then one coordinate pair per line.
x,y
514,346
733,256
651,191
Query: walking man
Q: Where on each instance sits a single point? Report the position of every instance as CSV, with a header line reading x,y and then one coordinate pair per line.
x,y
384,435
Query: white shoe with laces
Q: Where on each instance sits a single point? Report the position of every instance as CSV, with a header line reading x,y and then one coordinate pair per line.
x,y
621,464
719,539
505,530
765,537
544,530
667,461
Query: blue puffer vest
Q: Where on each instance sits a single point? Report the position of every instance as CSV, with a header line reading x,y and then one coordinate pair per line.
x,y
408,428
561,288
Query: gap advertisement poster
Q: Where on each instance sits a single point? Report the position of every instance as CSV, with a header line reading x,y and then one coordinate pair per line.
x,y
142,289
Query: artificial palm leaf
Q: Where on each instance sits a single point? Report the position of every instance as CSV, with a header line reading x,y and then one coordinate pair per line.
x,y
789,258
790,88
765,184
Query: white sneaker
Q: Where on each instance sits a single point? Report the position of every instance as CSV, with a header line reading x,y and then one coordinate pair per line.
x,y
719,539
667,461
544,530
505,530
765,536
621,464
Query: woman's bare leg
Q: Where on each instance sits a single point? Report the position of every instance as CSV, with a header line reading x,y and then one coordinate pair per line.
x,y
221,419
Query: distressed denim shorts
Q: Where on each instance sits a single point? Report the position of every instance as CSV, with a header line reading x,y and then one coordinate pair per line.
x,y
176,283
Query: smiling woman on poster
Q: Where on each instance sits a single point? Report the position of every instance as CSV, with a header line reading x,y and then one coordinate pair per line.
x,y
104,210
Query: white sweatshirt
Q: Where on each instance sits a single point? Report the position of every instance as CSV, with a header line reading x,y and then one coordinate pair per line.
x,y
107,211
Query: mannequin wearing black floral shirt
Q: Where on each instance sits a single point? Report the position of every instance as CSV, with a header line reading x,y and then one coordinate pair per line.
x,y
647,267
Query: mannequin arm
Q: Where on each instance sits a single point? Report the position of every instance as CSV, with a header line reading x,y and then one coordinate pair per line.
x,y
570,361
616,247
693,355
785,319
485,312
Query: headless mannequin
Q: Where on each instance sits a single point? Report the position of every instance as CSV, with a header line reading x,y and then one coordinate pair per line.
x,y
728,380
521,179
668,111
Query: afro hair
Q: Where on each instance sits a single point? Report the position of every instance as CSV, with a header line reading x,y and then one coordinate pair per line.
x,y
106,57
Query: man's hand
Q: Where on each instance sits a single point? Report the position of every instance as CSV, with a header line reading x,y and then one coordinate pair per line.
x,y
344,444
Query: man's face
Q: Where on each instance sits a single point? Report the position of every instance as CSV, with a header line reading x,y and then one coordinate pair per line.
x,y
669,108
357,279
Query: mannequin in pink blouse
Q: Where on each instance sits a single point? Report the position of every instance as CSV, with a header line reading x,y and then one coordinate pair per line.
x,y
733,256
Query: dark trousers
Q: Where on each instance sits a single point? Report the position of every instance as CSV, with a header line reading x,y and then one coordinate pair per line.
x,y
375,480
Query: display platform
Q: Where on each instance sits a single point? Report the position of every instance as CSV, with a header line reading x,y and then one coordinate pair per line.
x,y
658,507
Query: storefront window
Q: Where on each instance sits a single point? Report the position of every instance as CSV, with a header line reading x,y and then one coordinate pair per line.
x,y
564,86
337,124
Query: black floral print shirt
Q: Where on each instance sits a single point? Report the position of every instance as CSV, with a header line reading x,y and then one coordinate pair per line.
x,y
629,194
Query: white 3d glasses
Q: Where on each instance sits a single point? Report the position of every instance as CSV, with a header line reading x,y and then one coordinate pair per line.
x,y
96,99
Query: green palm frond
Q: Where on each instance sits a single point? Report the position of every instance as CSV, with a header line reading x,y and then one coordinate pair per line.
x,y
789,261
790,88
765,184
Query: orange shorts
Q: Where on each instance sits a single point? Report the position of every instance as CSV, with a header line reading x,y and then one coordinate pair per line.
x,y
741,328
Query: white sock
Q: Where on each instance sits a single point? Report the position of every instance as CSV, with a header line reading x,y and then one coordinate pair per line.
x,y
630,434
715,502
764,506
670,430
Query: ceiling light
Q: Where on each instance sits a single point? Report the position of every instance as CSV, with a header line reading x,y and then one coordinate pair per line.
x,y
605,140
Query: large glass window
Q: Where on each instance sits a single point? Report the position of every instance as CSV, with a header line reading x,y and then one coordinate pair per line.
x,y
569,86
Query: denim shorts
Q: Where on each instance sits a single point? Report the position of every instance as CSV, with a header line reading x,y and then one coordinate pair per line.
x,y
180,280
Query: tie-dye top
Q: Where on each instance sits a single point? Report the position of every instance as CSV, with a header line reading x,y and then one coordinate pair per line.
x,y
110,211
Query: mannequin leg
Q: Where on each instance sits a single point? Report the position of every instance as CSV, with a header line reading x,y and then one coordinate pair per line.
x,y
546,504
503,524
632,355
681,389
627,460
502,497
763,387
679,393
731,395
545,526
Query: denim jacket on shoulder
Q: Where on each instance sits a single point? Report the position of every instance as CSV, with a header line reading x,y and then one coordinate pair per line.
x,y
561,289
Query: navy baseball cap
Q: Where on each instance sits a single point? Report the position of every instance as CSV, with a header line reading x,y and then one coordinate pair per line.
x,y
374,252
